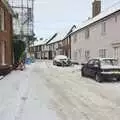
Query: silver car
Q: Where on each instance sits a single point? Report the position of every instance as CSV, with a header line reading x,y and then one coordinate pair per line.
x,y
61,60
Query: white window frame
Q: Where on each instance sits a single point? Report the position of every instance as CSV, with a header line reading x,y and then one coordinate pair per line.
x,y
102,53
3,52
75,38
116,18
87,33
2,14
87,54
75,55
103,28
116,52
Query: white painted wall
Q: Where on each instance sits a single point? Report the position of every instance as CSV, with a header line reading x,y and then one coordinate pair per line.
x,y
96,40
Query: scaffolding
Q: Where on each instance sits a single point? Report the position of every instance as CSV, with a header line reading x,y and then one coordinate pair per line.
x,y
23,22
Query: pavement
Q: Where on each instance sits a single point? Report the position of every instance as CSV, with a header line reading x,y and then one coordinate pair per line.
x,y
46,92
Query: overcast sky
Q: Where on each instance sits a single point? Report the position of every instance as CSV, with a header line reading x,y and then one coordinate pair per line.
x,y
53,15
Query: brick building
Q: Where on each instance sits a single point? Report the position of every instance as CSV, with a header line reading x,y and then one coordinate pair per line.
x,y
6,32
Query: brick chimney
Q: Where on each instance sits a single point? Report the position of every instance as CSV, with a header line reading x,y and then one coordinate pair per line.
x,y
96,7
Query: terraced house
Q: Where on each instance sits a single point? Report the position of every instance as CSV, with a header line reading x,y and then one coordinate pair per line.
x,y
98,36
6,34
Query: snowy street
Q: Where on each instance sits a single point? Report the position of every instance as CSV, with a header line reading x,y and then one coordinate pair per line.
x,y
46,92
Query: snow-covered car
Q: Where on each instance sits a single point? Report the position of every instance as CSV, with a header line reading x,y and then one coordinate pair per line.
x,y
61,60
102,69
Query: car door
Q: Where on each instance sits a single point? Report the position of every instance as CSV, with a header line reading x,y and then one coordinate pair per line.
x,y
95,68
90,65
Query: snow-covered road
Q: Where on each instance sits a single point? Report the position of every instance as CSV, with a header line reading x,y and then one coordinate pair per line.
x,y
47,92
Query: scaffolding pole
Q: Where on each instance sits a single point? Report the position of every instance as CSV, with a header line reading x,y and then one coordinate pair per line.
x,y
23,25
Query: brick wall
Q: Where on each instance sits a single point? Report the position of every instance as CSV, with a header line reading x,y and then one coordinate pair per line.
x,y
6,36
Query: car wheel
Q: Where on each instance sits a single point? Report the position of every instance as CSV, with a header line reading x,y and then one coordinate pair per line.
x,y
98,78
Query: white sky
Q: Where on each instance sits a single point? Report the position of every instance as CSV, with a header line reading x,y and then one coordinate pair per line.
x,y
53,15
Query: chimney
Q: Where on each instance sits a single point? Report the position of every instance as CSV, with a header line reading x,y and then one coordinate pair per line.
x,y
96,7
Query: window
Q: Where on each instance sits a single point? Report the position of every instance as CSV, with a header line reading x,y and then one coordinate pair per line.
x,y
103,29
102,53
97,62
80,52
33,49
3,46
75,38
109,62
116,52
116,18
75,55
91,62
2,19
87,55
87,33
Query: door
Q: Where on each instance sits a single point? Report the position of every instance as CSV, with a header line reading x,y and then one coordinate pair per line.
x,y
89,68
50,55
95,68
2,55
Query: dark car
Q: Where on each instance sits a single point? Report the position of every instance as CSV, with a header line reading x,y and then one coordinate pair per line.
x,y
102,69
61,60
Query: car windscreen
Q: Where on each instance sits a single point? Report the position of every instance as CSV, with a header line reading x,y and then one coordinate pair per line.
x,y
112,62
61,57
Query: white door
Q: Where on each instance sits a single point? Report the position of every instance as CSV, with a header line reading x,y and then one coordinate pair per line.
x,y
3,52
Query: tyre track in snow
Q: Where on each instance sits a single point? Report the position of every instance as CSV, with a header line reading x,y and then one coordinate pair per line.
x,y
23,92
57,106
66,101
58,81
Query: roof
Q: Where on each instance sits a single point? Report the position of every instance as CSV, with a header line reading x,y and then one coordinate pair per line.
x,y
106,59
40,42
61,35
10,10
100,16
44,41
99,58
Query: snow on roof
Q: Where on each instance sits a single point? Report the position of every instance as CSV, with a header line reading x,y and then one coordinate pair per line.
x,y
102,15
43,42
61,35
106,59
39,42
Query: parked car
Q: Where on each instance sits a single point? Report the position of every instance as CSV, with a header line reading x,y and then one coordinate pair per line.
x,y
61,60
102,69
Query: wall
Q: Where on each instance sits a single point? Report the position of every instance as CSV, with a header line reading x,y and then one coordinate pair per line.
x,y
96,40
6,36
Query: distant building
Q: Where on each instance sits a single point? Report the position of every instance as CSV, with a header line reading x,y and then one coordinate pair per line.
x,y
99,36
6,34
40,49
61,44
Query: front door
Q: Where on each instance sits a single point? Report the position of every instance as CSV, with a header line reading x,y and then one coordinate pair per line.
x,y
2,52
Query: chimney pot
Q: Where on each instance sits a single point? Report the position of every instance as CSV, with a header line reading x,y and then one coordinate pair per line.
x,y
96,7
